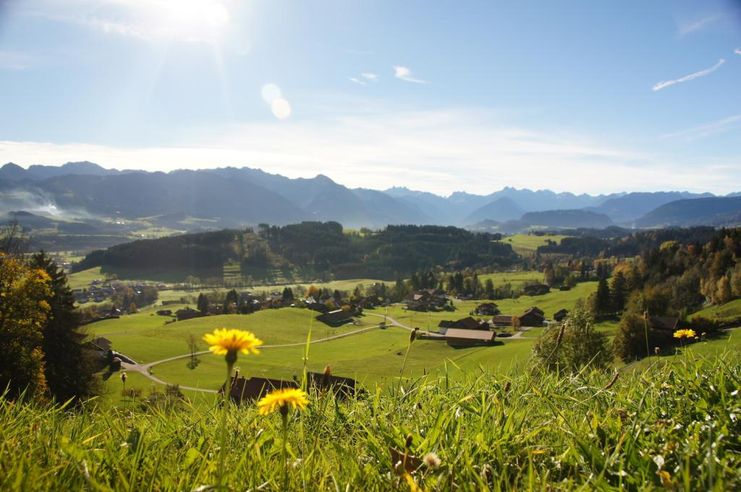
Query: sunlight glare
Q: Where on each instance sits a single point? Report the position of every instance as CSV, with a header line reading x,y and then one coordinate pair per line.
x,y
270,92
191,20
281,108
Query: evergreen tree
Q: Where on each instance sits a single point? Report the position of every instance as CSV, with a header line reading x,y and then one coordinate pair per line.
x,y
69,366
489,289
287,294
202,303
602,300
230,303
619,291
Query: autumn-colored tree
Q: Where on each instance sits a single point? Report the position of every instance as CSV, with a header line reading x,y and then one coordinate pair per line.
x,y
23,313
69,366
723,291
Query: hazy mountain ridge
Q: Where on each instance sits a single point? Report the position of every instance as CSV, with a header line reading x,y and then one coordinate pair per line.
x,y
713,211
229,197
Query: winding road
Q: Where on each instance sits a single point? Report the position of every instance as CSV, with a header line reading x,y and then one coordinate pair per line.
x,y
146,369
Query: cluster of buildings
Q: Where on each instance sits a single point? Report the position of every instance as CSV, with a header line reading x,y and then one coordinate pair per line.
x,y
98,291
469,331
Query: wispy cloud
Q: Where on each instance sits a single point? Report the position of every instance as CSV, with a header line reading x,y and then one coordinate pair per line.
x,y
687,78
737,51
706,130
697,24
405,74
14,60
365,78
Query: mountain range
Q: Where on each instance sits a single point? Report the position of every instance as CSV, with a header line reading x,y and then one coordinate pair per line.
x,y
229,197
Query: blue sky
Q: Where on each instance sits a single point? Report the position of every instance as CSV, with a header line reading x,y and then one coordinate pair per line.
x,y
580,96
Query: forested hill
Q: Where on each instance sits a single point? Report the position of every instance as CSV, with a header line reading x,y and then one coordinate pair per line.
x,y
306,250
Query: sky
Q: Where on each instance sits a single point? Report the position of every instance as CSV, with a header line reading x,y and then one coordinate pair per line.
x,y
581,96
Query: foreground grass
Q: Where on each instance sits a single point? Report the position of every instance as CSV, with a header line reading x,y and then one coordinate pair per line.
x,y
672,423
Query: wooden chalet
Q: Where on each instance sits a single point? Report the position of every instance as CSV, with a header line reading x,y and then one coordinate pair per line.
x,y
101,344
187,313
338,317
486,309
342,387
502,320
532,317
254,388
456,337
560,315
535,289
468,323
668,324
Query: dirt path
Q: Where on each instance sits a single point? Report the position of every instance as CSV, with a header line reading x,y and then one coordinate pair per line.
x,y
146,369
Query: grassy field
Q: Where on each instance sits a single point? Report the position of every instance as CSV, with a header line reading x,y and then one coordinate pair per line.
x,y
146,337
374,357
371,357
730,310
664,428
83,279
517,279
526,244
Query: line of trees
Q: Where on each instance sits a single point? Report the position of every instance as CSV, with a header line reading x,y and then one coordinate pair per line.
x,y
42,351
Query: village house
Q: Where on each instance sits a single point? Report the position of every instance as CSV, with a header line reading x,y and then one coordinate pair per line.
x,y
560,315
457,337
339,317
428,300
502,320
666,324
342,387
187,313
468,323
486,309
535,289
532,317
252,389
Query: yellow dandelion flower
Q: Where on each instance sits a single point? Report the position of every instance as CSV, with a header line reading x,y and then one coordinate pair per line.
x,y
685,334
413,487
666,479
281,399
229,342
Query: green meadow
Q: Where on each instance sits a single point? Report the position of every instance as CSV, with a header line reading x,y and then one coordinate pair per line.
x,y
527,244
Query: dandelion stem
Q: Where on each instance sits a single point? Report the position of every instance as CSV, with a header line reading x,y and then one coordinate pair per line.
x,y
224,409
284,415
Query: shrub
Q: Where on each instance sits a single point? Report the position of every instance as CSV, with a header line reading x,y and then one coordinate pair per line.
x,y
573,345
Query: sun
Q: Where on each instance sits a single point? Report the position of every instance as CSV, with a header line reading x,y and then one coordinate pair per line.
x,y
189,20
